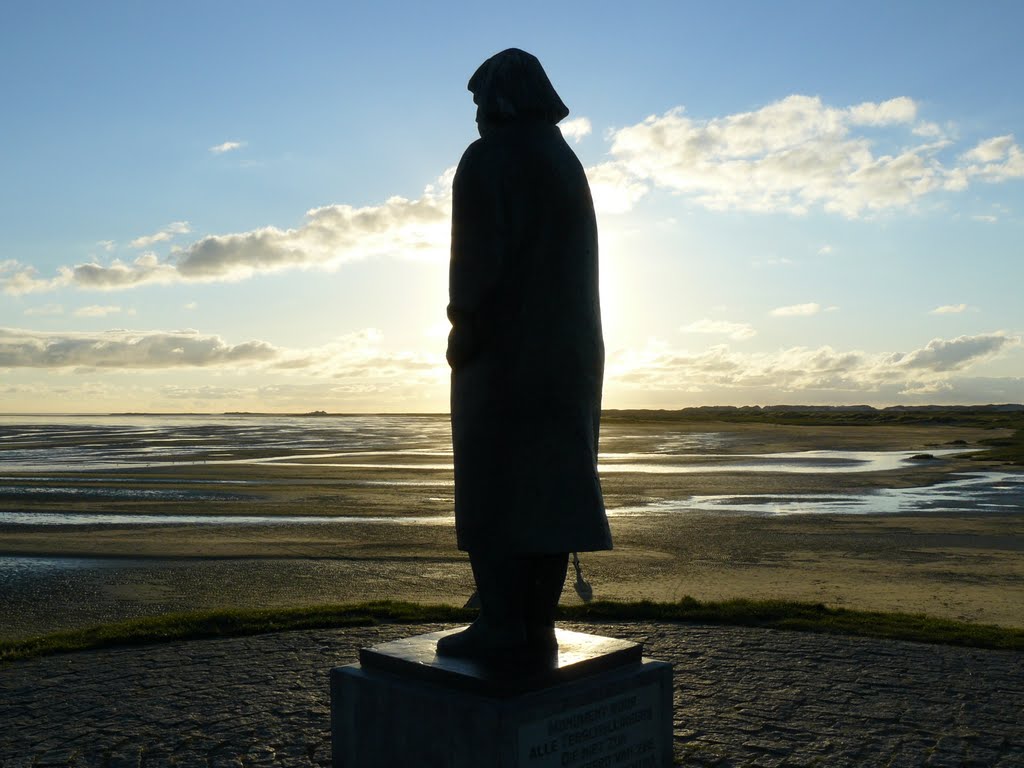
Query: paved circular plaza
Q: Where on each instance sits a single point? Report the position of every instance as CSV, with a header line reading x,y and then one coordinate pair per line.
x,y
743,697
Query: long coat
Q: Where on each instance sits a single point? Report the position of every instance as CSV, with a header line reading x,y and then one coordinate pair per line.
x,y
526,349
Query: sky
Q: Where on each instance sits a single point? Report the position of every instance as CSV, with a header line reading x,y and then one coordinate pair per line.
x,y
226,206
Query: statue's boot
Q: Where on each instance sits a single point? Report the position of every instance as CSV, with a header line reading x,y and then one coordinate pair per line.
x,y
500,630
546,577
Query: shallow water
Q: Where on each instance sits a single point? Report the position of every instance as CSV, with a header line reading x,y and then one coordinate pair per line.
x,y
138,494
35,450
77,443
46,444
86,518
794,461
974,493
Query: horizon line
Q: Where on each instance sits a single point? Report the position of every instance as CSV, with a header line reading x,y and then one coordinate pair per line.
x,y
321,413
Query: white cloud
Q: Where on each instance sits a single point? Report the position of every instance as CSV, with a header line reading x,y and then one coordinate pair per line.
x,y
825,250
45,310
988,219
330,236
227,146
575,129
18,279
719,369
613,189
355,360
126,350
168,232
798,154
798,310
357,365
940,355
990,150
97,310
996,159
146,269
794,155
107,245
190,305
949,309
927,130
898,110
736,331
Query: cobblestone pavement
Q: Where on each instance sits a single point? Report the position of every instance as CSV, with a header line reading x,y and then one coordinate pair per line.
x,y
743,697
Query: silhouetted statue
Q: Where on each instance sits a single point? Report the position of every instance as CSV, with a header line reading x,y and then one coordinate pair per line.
x,y
527,359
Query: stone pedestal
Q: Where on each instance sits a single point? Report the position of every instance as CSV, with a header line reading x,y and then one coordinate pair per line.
x,y
599,704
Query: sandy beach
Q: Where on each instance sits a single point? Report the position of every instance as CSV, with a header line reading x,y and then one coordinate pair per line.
x,y
949,563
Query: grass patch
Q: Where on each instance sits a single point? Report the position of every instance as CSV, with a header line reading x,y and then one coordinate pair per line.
x,y
808,617
229,623
1007,449
775,614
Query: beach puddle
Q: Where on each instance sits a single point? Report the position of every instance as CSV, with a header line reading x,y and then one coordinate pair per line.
x,y
981,492
794,461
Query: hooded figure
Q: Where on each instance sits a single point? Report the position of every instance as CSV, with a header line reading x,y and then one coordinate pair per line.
x,y
526,353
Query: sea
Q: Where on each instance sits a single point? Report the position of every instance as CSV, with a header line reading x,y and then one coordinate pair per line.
x,y
38,455
76,475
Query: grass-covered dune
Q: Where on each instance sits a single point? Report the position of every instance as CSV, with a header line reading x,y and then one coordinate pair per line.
x,y
772,614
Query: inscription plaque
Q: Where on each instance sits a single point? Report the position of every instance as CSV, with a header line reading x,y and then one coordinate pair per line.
x,y
620,731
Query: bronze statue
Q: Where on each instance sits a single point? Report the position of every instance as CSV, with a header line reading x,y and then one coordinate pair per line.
x,y
527,359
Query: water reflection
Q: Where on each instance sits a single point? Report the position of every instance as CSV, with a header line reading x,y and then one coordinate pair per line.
x,y
49,443
72,493
795,461
973,493
86,518
981,492
362,450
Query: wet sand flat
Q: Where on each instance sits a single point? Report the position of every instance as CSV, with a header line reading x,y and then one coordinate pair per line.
x,y
970,569
956,564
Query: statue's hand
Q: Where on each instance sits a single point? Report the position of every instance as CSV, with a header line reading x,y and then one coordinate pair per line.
x,y
461,342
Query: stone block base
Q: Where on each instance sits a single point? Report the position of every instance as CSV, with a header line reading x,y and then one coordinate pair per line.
x,y
600,704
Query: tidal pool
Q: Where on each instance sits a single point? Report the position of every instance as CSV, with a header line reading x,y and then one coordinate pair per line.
x,y
973,493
